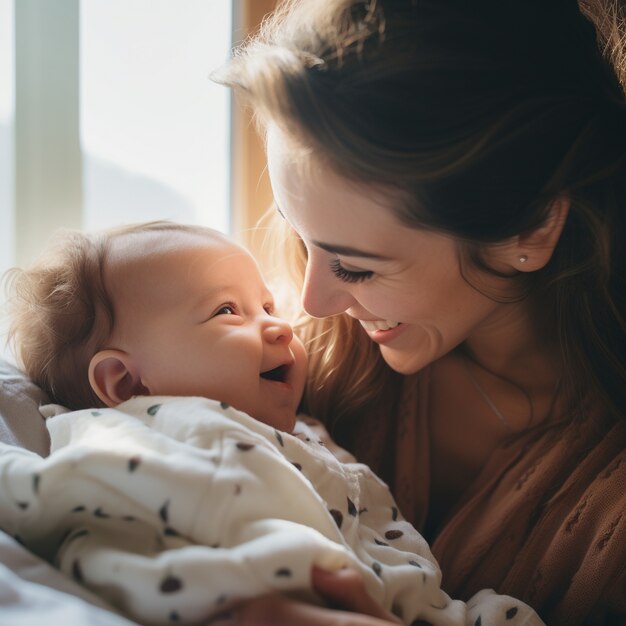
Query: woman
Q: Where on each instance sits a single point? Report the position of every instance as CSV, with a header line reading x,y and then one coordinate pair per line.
x,y
454,176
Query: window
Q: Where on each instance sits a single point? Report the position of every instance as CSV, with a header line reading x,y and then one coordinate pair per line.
x,y
115,118
154,129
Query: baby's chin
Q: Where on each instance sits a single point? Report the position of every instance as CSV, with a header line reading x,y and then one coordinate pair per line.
x,y
283,421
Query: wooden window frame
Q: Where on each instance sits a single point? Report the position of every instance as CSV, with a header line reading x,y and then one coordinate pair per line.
x,y
251,193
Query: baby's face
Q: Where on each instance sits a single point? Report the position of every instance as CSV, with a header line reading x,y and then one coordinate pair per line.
x,y
197,320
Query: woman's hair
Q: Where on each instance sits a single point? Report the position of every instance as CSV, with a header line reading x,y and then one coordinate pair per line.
x,y
61,313
478,115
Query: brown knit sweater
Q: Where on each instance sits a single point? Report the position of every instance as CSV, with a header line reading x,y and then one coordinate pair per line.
x,y
545,521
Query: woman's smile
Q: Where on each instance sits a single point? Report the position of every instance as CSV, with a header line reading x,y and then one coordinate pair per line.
x,y
382,331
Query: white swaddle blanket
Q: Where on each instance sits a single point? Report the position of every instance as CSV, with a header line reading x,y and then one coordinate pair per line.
x,y
173,509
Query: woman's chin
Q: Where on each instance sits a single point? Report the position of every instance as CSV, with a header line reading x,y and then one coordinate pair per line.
x,y
404,362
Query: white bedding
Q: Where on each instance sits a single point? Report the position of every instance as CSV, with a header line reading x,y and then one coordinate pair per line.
x,y
32,593
216,499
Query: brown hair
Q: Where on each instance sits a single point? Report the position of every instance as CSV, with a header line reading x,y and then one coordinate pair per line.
x,y
61,313
480,114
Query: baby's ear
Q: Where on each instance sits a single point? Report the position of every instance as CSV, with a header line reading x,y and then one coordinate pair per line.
x,y
113,377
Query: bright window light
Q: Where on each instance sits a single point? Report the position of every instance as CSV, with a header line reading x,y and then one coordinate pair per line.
x,y
154,129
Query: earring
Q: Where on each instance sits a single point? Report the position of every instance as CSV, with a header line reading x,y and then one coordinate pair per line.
x,y
523,258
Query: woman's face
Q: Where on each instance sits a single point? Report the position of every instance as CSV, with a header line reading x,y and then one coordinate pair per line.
x,y
404,285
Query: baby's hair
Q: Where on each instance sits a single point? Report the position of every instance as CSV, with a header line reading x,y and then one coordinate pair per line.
x,y
61,313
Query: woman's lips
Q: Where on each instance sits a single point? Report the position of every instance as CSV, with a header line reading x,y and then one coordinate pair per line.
x,y
380,335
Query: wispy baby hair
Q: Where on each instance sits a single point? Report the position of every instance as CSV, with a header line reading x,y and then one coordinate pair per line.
x,y
60,312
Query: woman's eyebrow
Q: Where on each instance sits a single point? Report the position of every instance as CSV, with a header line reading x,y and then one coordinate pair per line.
x,y
349,251
342,250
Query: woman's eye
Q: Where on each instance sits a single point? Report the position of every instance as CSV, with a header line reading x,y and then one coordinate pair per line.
x,y
346,275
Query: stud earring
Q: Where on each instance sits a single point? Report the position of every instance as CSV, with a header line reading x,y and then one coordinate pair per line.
x,y
523,258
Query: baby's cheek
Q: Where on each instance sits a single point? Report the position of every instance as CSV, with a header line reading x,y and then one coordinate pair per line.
x,y
301,370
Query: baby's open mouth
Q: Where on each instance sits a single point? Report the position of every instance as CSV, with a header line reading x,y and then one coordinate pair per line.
x,y
278,373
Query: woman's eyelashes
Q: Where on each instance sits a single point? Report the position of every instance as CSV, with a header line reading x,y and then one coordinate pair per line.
x,y
348,276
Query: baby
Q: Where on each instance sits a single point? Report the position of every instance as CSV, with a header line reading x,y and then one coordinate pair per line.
x,y
157,308
182,482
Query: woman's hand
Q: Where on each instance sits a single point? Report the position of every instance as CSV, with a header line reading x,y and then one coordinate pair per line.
x,y
344,590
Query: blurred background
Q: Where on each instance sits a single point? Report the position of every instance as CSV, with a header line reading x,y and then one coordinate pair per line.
x,y
108,116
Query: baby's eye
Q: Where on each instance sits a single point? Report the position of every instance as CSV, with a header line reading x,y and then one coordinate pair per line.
x,y
226,309
269,308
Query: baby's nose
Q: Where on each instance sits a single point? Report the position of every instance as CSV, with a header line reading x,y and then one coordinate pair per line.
x,y
277,331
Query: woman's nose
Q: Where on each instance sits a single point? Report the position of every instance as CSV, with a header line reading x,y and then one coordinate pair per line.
x,y
322,293
277,330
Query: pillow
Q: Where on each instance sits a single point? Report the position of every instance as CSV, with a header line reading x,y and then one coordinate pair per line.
x,y
21,423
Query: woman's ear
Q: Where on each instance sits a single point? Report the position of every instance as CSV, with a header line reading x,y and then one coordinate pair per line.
x,y
536,246
113,377
530,251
